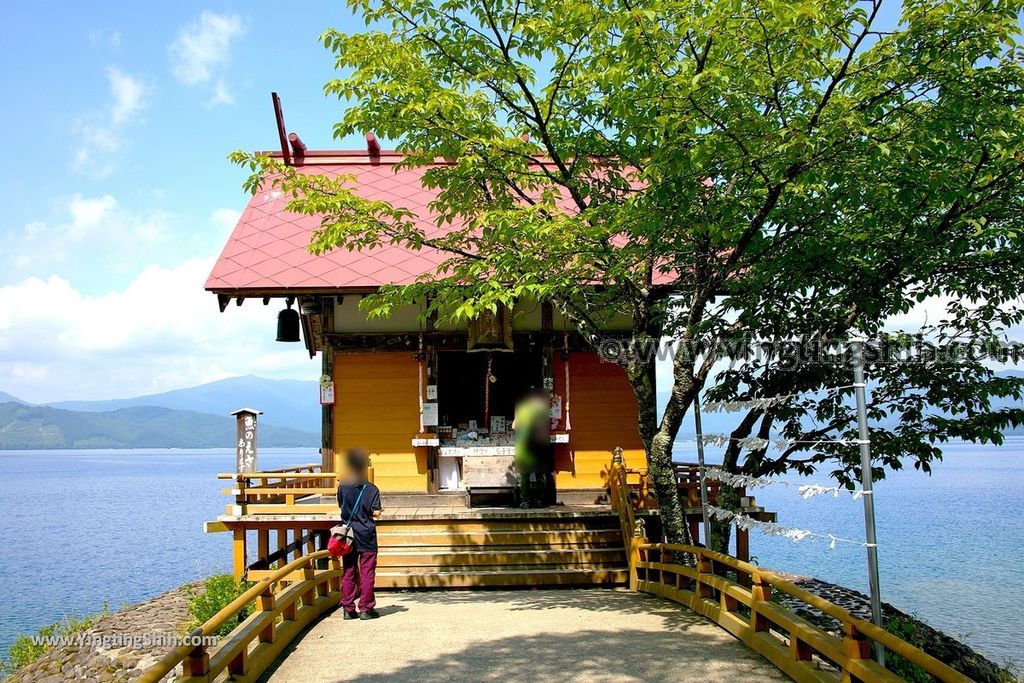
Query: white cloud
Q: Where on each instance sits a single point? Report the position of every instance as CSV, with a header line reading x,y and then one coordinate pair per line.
x,y
87,213
109,39
161,331
89,233
221,94
225,220
201,51
100,134
128,93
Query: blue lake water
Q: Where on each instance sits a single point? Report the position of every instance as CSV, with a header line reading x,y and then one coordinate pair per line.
x,y
81,528
950,544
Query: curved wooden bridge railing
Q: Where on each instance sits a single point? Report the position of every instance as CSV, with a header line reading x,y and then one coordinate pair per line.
x,y
738,597
796,646
286,603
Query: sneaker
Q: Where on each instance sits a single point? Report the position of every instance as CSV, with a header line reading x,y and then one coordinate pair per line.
x,y
351,615
370,614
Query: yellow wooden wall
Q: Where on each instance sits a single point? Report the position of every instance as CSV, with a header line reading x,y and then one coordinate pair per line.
x,y
376,409
603,415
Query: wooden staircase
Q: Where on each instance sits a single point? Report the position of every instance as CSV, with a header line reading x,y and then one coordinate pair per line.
x,y
474,551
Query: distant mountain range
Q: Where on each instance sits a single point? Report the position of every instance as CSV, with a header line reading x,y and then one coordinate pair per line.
x,y
285,402
196,417
7,398
41,427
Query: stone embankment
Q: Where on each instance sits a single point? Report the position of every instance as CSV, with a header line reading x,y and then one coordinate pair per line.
x,y
118,648
944,648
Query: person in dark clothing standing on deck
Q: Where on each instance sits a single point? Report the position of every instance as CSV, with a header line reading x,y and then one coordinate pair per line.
x,y
534,457
360,506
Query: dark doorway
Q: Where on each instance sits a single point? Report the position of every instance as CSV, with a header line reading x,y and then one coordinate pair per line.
x,y
461,377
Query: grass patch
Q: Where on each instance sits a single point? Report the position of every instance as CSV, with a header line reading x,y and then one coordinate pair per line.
x,y
27,649
907,630
216,593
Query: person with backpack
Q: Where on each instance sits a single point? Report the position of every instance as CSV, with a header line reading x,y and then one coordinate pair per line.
x,y
360,508
534,456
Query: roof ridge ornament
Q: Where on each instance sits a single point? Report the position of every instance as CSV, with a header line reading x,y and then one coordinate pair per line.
x,y
279,116
372,145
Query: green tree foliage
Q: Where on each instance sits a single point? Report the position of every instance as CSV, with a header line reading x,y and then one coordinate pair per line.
x,y
715,171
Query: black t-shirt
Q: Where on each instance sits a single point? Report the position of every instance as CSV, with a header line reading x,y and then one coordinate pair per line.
x,y
363,525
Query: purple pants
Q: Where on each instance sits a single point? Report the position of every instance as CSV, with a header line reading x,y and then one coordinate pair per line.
x,y
360,571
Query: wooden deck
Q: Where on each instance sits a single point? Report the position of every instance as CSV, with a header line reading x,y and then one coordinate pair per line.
x,y
450,513
433,540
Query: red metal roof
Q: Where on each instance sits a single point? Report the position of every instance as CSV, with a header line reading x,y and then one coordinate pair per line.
x,y
268,251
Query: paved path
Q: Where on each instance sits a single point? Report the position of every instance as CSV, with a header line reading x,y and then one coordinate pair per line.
x,y
530,636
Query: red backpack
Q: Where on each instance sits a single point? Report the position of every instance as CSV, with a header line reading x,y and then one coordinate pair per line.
x,y
343,538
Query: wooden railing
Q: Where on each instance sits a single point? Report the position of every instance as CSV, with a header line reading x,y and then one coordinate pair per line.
x,y
796,646
738,596
281,486
688,479
286,602
281,491
619,495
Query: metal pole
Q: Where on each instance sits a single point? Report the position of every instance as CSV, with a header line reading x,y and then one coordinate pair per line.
x,y
857,354
700,471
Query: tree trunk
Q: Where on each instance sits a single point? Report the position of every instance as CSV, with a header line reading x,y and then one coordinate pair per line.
x,y
659,463
659,449
721,531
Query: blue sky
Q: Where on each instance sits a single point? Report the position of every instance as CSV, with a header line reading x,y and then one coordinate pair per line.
x,y
116,122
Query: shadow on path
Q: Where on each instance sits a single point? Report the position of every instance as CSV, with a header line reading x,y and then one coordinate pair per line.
x,y
538,636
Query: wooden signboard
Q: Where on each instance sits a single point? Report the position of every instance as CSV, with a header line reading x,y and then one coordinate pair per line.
x,y
245,439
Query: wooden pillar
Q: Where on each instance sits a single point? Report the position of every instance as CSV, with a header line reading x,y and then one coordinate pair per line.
x,y
743,545
262,544
240,664
855,646
760,592
197,664
266,603
238,553
335,581
282,542
704,569
433,460
327,411
310,594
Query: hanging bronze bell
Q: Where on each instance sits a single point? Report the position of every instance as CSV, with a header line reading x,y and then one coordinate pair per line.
x,y
288,325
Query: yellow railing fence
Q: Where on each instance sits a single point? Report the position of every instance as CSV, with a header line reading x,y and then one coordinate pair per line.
x,y
738,596
284,485
286,602
714,588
